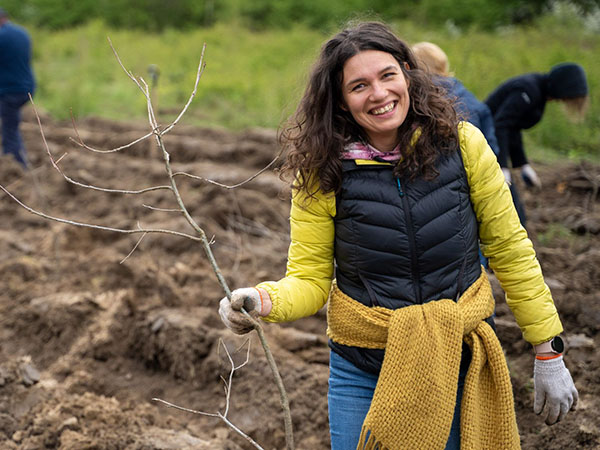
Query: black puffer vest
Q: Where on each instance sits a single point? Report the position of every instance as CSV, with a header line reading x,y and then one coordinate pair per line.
x,y
400,243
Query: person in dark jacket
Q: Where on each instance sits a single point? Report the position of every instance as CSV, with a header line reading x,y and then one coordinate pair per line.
x,y
16,83
468,107
519,103
391,196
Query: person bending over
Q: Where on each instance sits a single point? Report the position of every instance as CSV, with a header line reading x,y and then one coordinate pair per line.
x,y
519,103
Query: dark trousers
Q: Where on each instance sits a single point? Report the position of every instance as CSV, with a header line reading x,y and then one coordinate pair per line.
x,y
518,204
513,148
10,114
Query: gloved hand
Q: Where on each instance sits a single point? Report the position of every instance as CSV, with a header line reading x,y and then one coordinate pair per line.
x,y
253,301
530,177
554,388
506,173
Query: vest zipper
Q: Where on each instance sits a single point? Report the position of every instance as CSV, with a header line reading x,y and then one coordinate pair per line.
x,y
411,242
400,191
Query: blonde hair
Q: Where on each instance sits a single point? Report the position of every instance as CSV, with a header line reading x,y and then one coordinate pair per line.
x,y
576,107
432,58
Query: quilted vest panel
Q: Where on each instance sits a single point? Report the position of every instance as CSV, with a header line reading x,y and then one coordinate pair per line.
x,y
399,242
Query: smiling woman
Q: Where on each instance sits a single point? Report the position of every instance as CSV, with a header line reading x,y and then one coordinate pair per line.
x,y
392,196
375,92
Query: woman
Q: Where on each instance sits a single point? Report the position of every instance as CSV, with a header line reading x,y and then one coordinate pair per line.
x,y
519,103
390,186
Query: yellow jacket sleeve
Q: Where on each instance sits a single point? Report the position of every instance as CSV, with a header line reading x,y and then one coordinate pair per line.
x,y
505,242
305,288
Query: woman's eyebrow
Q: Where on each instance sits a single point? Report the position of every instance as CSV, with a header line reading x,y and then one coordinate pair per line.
x,y
385,69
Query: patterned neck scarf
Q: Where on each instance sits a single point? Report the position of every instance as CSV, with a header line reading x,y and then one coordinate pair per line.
x,y
361,150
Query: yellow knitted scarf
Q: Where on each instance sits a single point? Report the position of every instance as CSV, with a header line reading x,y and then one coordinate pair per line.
x,y
415,397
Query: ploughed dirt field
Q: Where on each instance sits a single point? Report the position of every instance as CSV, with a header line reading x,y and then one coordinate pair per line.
x,y
87,339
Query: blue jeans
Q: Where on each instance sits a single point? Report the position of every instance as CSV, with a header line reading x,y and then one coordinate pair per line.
x,y
349,399
10,114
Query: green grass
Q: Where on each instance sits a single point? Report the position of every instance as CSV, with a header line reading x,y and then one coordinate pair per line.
x,y
251,79
255,78
555,232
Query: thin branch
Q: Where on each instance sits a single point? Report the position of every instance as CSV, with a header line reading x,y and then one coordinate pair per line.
x,y
285,405
150,108
240,432
231,372
20,180
154,208
181,408
283,398
80,142
254,228
134,247
216,183
77,183
238,255
239,250
219,415
142,85
129,74
199,72
98,227
227,384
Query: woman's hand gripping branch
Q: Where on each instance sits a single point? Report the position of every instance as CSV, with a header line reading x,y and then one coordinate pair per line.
x,y
256,302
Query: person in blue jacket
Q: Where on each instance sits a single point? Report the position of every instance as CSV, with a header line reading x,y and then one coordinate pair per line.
x,y
518,104
16,83
468,107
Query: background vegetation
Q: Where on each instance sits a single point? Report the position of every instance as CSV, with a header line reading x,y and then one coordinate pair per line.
x,y
258,54
159,14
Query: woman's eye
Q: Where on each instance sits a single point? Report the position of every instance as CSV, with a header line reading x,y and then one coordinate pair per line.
x,y
358,87
389,74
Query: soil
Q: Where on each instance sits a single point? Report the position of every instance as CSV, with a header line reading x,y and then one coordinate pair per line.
x,y
89,335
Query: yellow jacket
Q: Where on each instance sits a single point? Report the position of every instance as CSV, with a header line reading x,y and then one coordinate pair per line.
x,y
305,288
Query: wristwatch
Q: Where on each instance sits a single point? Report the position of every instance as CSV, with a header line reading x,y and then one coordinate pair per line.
x,y
555,345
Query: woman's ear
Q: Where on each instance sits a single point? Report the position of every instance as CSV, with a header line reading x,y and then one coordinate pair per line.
x,y
407,68
343,107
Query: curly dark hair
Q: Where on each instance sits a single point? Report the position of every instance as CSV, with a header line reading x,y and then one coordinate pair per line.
x,y
315,135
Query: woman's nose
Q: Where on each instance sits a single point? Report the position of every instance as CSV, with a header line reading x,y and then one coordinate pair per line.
x,y
378,91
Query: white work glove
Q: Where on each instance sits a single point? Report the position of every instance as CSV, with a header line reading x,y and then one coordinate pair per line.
x,y
530,177
506,173
554,388
231,314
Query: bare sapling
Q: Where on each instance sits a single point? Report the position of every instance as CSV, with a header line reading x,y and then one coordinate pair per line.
x,y
227,383
198,235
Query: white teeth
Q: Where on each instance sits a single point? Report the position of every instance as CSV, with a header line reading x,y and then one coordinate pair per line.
x,y
384,109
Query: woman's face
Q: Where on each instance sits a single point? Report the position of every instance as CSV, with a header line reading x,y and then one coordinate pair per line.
x,y
375,92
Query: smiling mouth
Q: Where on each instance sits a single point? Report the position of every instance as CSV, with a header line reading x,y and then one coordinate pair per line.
x,y
383,109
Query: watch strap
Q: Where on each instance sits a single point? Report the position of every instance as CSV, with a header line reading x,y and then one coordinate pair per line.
x,y
547,347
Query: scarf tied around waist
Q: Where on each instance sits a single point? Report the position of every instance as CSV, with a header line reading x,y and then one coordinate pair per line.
x,y
414,400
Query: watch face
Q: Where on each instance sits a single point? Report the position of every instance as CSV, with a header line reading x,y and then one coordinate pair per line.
x,y
557,344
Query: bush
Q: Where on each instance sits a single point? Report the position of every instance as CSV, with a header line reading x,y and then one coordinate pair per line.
x,y
156,15
153,15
